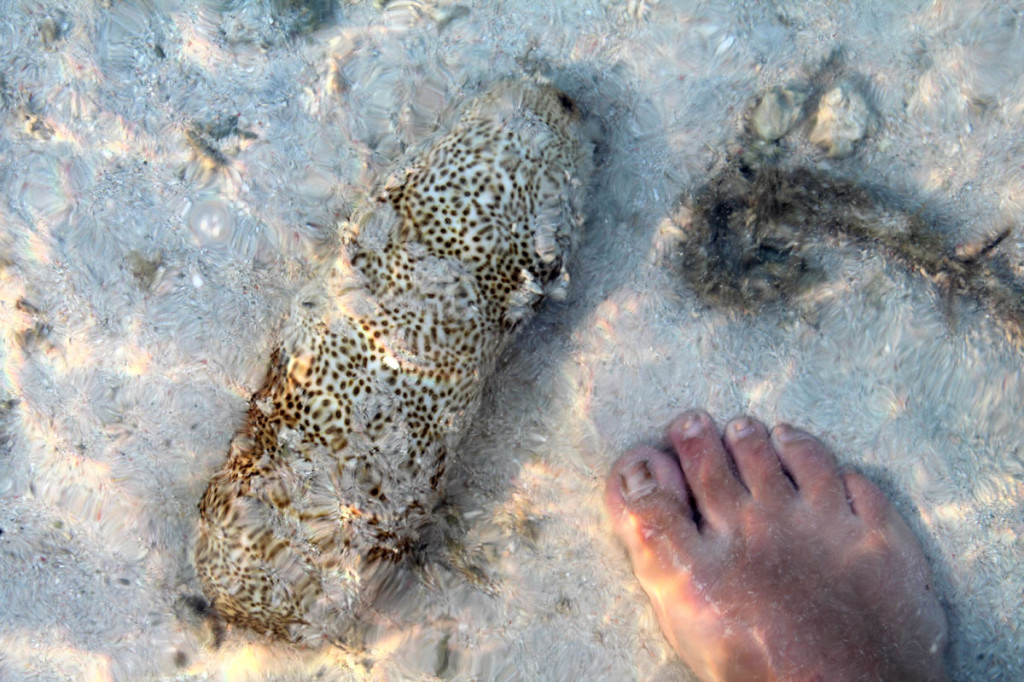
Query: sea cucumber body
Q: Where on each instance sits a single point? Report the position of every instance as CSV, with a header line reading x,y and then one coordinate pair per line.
x,y
343,455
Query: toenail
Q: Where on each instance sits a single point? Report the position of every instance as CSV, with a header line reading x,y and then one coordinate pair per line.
x,y
742,427
787,434
692,426
637,480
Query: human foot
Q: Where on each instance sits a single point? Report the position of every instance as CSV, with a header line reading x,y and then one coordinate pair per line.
x,y
763,561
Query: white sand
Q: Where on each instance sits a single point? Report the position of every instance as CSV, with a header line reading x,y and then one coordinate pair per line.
x,y
150,288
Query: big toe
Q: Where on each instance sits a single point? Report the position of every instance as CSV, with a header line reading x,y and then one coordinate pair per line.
x,y
647,500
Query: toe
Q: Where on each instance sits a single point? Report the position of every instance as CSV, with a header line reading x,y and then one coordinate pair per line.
x,y
705,462
866,500
646,497
748,443
640,473
811,466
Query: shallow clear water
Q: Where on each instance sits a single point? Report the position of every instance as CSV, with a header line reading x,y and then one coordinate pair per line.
x,y
171,176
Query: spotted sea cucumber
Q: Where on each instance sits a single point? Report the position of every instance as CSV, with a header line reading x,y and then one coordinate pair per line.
x,y
342,458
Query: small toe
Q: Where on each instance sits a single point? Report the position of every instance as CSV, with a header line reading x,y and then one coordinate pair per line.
x,y
648,502
865,499
810,464
748,442
706,467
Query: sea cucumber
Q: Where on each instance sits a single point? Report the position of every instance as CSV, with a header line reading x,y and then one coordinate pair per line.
x,y
342,458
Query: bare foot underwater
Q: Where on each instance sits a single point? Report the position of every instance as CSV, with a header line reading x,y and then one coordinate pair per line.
x,y
765,562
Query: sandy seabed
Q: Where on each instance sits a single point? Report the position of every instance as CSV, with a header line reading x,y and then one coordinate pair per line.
x,y
170,175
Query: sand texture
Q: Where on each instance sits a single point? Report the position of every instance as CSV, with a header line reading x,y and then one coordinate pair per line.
x,y
174,175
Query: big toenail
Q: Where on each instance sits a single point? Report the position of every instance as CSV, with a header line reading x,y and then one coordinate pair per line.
x,y
692,426
742,427
637,480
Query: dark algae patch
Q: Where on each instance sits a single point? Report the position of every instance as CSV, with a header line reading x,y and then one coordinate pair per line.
x,y
757,228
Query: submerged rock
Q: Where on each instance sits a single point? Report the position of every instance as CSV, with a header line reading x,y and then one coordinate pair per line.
x,y
840,121
777,112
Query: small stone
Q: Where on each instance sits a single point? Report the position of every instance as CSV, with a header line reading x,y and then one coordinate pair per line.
x,y
53,29
37,127
840,122
144,268
49,31
777,111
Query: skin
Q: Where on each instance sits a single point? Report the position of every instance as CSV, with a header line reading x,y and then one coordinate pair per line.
x,y
764,561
